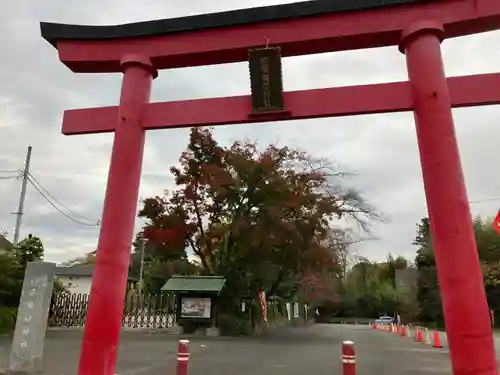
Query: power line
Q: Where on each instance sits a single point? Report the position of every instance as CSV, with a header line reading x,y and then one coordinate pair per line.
x,y
40,188
485,200
57,208
12,174
10,171
41,192
57,201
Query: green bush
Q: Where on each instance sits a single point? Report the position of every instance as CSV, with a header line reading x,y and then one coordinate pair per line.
x,y
7,319
233,325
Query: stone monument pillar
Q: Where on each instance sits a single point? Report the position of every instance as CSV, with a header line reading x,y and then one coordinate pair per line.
x,y
31,325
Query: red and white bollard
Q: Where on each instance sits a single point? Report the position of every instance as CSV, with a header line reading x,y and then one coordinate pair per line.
x,y
182,357
348,358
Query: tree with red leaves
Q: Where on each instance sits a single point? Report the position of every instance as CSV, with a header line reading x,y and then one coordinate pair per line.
x,y
258,218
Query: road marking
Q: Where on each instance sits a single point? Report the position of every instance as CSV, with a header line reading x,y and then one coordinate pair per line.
x,y
425,350
142,369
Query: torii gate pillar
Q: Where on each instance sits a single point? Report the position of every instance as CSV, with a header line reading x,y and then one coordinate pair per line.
x,y
103,321
462,289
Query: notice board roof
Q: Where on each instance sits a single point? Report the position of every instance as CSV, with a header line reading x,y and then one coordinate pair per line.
x,y
211,284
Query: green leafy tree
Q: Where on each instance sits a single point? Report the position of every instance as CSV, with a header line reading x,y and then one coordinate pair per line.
x,y
159,265
428,296
13,263
370,289
387,270
11,280
12,266
488,245
365,293
29,250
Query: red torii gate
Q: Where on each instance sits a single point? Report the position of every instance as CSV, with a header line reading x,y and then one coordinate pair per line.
x,y
416,26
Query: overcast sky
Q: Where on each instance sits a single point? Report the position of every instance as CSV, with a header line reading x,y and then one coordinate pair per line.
x,y
35,89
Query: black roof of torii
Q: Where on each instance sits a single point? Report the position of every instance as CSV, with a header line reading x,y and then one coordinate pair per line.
x,y
55,31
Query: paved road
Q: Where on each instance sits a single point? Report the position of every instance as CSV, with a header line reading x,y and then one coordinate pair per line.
x,y
311,350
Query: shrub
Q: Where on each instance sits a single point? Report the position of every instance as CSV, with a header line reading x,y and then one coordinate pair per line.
x,y
233,325
7,319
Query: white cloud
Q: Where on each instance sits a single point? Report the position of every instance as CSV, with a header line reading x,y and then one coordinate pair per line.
x,y
36,88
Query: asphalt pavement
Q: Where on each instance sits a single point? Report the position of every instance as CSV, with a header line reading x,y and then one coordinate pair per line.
x,y
313,350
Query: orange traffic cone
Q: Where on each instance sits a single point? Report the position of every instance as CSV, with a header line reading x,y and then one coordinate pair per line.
x,y
419,335
436,343
403,331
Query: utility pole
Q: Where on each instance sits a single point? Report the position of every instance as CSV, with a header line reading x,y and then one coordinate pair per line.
x,y
20,209
141,249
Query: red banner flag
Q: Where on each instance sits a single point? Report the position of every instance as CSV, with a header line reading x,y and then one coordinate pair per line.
x,y
496,222
263,305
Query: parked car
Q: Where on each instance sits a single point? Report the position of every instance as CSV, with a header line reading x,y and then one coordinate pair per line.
x,y
384,320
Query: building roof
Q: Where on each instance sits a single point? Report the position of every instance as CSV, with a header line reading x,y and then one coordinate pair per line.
x,y
213,284
86,270
5,243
